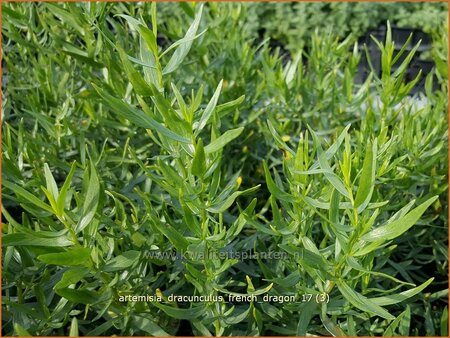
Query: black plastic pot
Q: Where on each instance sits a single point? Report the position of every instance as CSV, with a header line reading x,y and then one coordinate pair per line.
x,y
378,33
400,36
425,43
400,59
413,71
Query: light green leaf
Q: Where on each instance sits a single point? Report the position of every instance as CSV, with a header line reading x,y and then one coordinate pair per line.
x,y
177,239
331,151
399,226
307,312
224,108
20,331
236,318
74,328
24,239
328,171
123,261
51,183
199,161
140,86
390,330
444,322
306,256
180,42
401,296
279,142
146,33
27,196
274,189
183,48
361,302
62,196
79,296
149,326
78,256
138,117
223,140
221,206
90,200
206,115
71,276
367,178
353,263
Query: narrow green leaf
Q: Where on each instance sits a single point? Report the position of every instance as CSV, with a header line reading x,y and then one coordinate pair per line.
x,y
51,183
178,313
90,200
138,117
353,263
24,239
183,48
74,328
274,189
123,261
399,226
444,323
221,206
390,330
66,17
146,33
224,108
236,318
62,196
101,329
178,240
71,276
181,102
199,161
361,302
180,42
367,178
28,197
152,74
307,312
140,86
306,256
240,222
405,323
401,296
279,142
332,327
331,151
20,331
328,171
206,115
223,140
149,326
78,256
79,296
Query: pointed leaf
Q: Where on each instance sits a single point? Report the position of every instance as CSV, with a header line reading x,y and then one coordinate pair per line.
x,y
399,226
367,178
138,117
206,115
223,140
78,256
361,302
183,48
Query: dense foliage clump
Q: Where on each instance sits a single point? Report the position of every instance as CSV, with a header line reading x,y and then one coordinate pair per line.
x,y
168,170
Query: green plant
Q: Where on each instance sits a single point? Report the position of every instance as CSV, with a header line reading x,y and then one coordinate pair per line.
x,y
153,155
